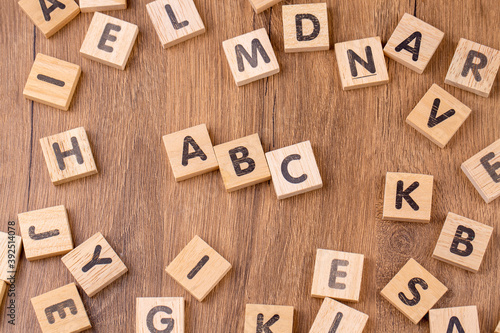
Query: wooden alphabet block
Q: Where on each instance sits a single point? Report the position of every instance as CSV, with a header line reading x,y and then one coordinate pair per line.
x,y
408,197
52,82
251,57
462,242
109,41
402,291
483,170
87,6
68,156
46,232
262,318
175,20
261,5
50,15
438,115
159,314
10,251
336,317
413,43
361,63
61,310
459,319
473,68
305,27
94,264
198,268
190,152
242,162
337,275
294,170
3,291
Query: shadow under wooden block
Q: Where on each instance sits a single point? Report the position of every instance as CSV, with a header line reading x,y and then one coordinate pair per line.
x,y
175,21
438,115
462,242
261,5
94,264
336,317
198,268
274,318
46,232
458,319
337,275
413,302
242,162
190,152
483,170
87,6
50,19
251,57
408,197
294,170
473,68
52,82
10,252
361,63
61,310
305,27
159,314
109,41
68,156
413,43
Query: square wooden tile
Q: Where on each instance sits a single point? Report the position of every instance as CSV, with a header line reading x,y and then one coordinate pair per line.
x,y
68,156
198,268
413,43
462,242
483,170
265,318
10,245
46,232
50,16
87,6
190,152
408,197
251,57
438,115
459,319
61,310
473,68
175,21
94,264
261,5
361,63
335,317
159,314
305,27
242,162
294,170
413,291
52,82
109,41
337,275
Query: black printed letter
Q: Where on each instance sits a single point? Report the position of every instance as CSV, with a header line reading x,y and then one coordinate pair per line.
x,y
61,155
264,328
414,292
405,45
173,18
166,321
186,155
46,11
433,120
458,239
59,308
198,266
106,36
335,273
286,174
42,235
96,260
400,194
237,161
336,322
369,64
298,26
454,322
253,60
485,161
470,65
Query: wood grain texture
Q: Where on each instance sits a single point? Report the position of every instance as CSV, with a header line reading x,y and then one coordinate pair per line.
x,y
147,217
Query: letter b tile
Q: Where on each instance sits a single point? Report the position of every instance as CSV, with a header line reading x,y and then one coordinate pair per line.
x,y
160,314
268,318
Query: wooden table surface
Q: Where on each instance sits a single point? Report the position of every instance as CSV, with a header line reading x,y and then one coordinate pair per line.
x,y
357,136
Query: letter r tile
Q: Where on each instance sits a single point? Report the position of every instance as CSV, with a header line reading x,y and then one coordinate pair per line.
x,y
94,264
160,314
198,268
337,275
268,318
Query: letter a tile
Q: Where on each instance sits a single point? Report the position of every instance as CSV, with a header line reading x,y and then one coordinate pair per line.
x,y
68,156
268,318
413,291
462,319
61,310
94,264
251,57
336,317
198,268
337,275
159,314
